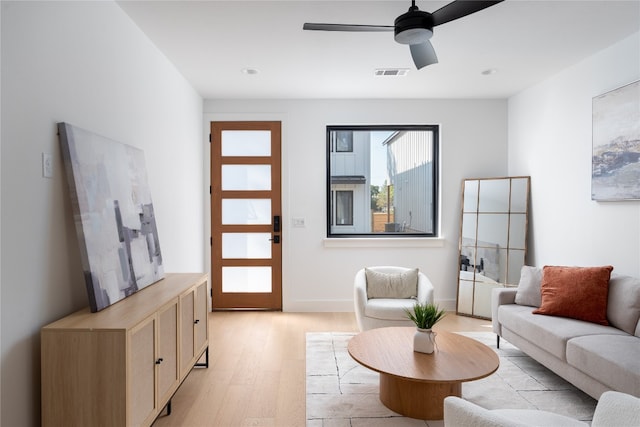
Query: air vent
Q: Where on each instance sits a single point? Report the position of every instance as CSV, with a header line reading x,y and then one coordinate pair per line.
x,y
393,72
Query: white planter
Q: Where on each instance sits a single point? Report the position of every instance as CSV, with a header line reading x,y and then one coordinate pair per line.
x,y
424,341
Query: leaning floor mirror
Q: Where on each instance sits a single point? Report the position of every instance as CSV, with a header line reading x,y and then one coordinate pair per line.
x,y
493,240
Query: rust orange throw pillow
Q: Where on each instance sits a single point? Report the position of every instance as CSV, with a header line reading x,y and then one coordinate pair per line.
x,y
576,292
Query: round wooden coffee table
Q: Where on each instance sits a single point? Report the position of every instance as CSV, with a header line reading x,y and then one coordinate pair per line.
x,y
415,384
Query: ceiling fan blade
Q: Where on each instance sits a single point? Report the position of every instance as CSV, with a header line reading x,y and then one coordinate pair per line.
x,y
423,54
346,27
459,8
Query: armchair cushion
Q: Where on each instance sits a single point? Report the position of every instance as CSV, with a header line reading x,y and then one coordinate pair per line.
x,y
389,308
392,285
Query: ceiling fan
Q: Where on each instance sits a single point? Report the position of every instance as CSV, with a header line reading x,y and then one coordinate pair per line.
x,y
415,27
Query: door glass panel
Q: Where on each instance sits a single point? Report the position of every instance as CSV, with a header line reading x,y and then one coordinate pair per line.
x,y
246,279
246,143
246,211
246,177
246,245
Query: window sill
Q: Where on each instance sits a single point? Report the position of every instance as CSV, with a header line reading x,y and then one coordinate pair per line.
x,y
387,242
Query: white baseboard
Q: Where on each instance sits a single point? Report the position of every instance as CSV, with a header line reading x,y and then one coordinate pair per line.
x,y
328,306
341,306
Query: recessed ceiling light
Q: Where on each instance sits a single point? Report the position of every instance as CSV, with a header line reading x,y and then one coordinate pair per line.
x,y
489,71
250,71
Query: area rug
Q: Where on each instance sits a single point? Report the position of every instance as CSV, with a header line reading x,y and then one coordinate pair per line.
x,y
342,393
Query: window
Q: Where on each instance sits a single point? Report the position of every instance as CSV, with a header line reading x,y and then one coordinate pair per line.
x,y
382,181
344,141
344,208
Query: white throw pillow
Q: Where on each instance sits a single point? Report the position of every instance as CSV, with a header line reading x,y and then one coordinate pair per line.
x,y
392,285
623,302
528,292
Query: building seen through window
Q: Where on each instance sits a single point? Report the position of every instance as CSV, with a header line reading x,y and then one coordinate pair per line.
x,y
382,181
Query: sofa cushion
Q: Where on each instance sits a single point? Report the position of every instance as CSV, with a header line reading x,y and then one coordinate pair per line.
x,y
392,285
529,286
549,332
611,359
575,292
623,307
388,308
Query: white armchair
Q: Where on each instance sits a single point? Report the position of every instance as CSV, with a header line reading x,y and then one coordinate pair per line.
x,y
614,409
381,312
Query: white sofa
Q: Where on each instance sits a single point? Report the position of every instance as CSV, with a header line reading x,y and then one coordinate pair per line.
x,y
614,409
374,313
593,357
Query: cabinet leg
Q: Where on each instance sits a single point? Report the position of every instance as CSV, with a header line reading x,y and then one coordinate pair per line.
x,y
168,408
206,360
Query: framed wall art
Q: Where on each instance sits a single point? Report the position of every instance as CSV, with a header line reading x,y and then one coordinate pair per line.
x,y
113,213
615,172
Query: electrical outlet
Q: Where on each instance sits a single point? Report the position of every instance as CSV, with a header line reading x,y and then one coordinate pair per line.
x,y
47,165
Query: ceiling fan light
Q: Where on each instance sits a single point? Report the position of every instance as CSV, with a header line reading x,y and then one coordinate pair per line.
x,y
414,36
413,27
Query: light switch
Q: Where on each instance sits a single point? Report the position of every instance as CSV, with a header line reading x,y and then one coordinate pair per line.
x,y
297,222
47,165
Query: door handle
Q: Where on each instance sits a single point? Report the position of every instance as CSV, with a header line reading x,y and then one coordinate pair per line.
x,y
275,239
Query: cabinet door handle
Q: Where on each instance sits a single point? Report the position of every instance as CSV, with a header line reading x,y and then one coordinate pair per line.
x,y
196,321
159,361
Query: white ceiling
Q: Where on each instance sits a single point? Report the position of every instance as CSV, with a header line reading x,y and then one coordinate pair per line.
x,y
210,42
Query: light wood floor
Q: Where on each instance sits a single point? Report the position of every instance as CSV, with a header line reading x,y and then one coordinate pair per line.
x,y
256,374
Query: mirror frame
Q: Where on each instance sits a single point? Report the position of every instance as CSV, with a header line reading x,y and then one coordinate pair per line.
x,y
504,255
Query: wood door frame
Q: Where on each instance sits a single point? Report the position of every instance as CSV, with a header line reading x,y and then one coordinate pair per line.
x,y
245,300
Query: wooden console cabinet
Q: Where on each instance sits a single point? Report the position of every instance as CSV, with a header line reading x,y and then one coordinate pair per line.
x,y
120,366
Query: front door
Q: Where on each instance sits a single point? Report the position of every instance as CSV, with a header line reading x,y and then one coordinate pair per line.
x,y
246,225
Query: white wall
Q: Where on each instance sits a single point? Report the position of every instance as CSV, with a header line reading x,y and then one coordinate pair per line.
x,y
85,63
320,278
550,139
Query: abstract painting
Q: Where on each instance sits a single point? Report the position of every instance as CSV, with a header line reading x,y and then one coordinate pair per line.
x,y
615,171
113,213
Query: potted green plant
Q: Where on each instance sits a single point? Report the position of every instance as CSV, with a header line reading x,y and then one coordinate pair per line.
x,y
424,316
